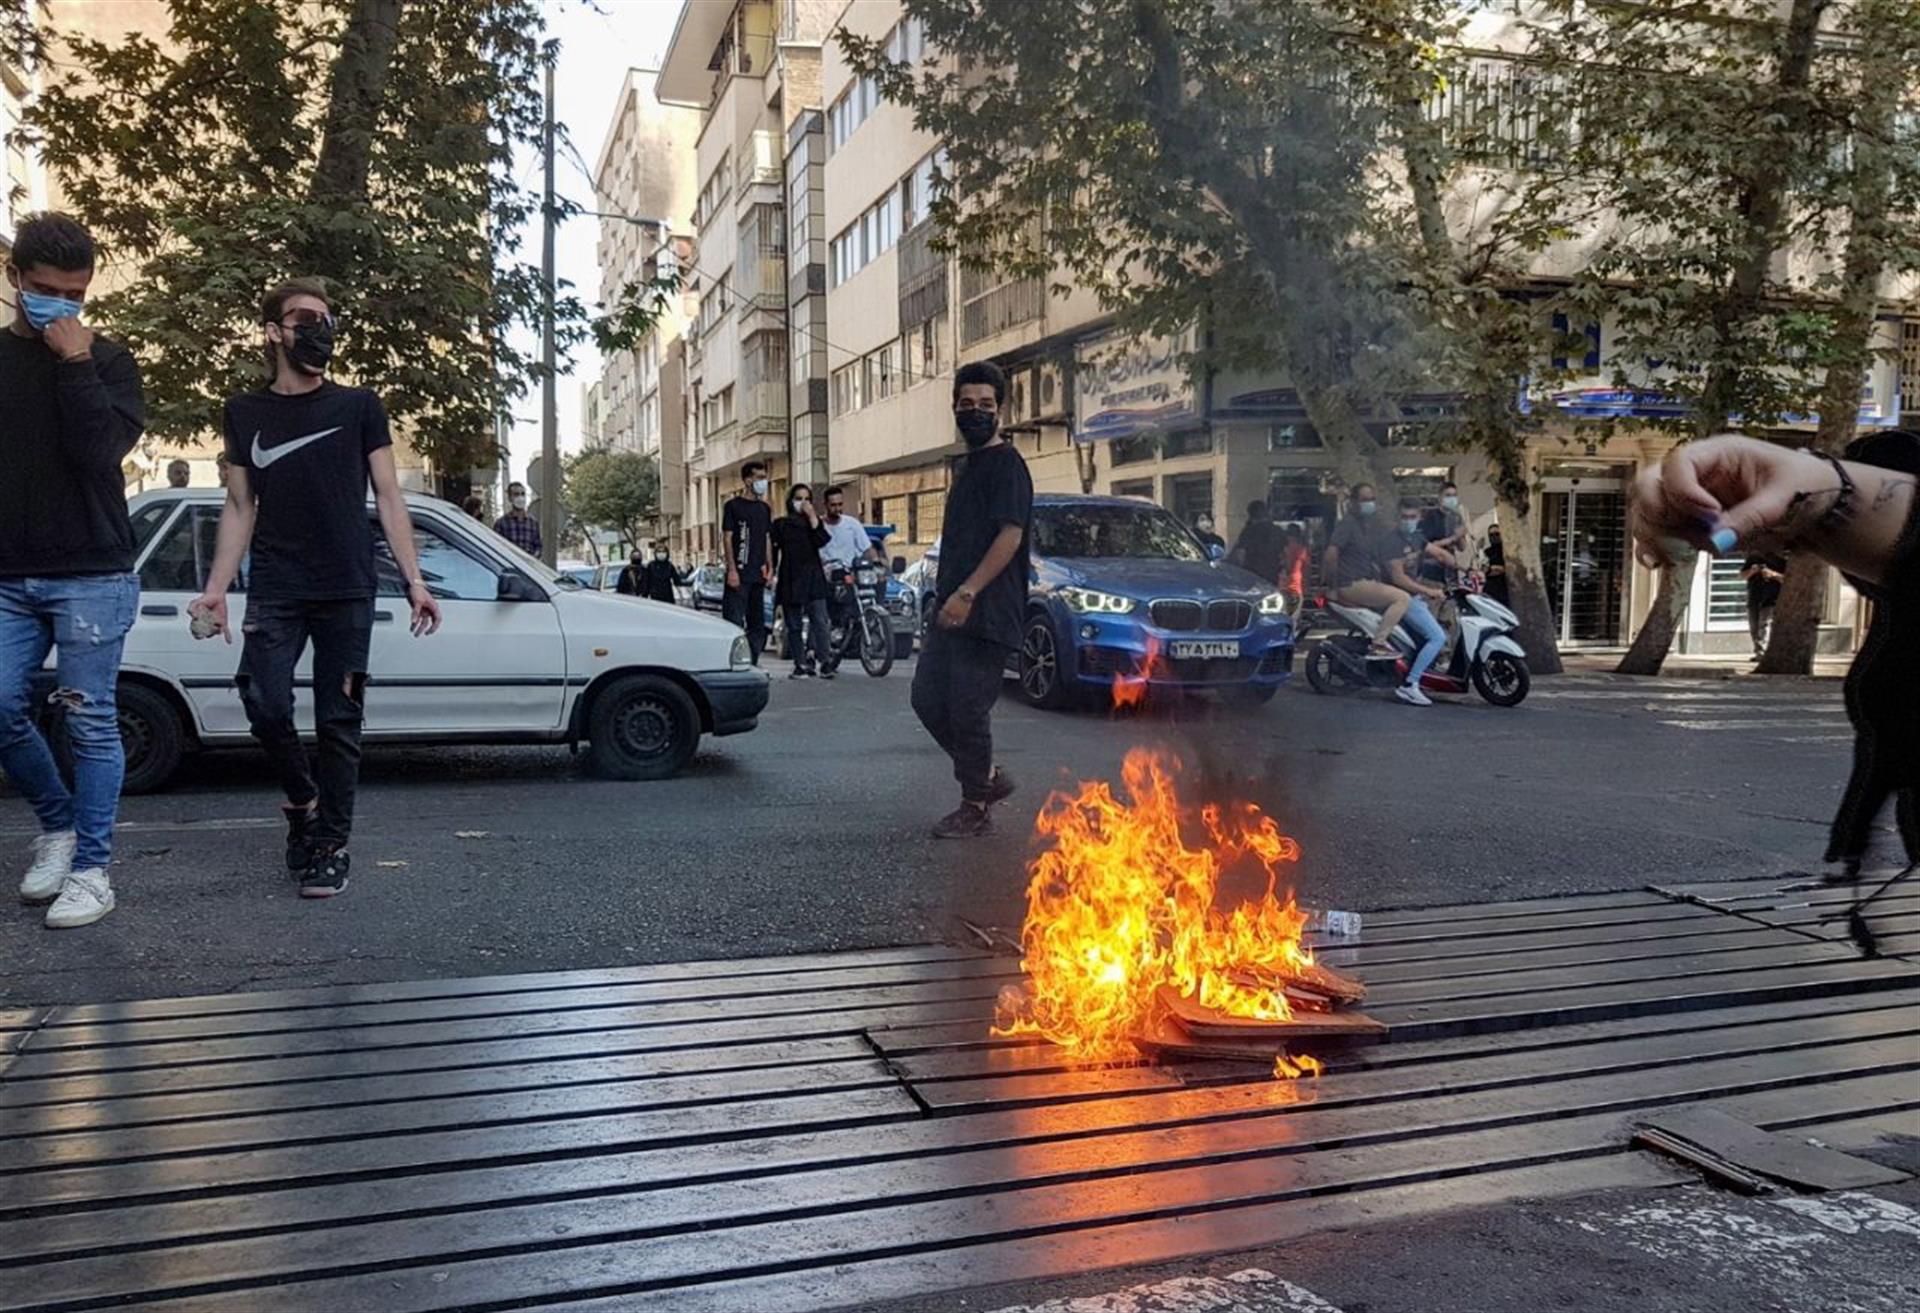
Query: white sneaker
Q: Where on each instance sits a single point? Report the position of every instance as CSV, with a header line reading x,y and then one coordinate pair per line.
x,y
84,899
52,863
1411,694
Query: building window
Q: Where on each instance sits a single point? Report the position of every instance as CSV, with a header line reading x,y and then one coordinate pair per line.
x,y
1189,496
1131,451
925,510
1134,488
1189,442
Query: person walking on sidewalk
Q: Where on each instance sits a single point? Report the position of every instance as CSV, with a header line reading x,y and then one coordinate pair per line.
x,y
658,578
303,451
70,411
516,526
745,522
800,585
980,596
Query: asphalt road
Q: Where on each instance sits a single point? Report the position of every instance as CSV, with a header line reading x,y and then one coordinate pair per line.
x,y
810,833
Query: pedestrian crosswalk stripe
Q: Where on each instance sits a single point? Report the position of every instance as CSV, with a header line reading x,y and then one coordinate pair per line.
x,y
1248,1291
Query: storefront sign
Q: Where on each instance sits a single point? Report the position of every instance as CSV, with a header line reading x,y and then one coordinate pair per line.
x,y
1125,387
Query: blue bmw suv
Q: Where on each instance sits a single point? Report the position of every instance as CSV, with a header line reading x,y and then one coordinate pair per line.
x,y
1120,589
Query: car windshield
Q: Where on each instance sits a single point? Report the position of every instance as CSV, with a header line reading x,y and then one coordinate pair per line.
x,y
1105,530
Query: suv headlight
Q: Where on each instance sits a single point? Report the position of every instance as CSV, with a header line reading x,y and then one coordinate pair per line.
x,y
1273,604
1086,601
742,655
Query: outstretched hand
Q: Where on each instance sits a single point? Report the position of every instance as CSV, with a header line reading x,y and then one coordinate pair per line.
x,y
1725,491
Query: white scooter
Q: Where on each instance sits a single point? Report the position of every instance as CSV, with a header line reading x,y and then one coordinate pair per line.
x,y
1485,655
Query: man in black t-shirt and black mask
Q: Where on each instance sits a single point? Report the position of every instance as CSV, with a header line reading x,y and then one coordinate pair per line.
x,y
981,600
301,453
745,522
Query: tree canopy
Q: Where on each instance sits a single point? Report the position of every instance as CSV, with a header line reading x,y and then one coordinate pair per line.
x,y
365,142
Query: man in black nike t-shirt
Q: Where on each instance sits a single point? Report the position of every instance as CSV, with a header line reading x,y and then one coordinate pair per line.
x,y
302,452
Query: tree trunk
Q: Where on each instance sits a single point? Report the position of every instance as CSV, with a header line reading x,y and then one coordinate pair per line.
x,y
1527,588
1796,614
354,98
1649,651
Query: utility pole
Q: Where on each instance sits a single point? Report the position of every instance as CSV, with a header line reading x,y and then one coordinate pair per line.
x,y
549,403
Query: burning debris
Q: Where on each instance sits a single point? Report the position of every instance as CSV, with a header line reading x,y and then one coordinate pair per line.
x,y
1126,952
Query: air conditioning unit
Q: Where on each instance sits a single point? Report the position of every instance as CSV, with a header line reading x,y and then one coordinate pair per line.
x,y
1050,392
1021,398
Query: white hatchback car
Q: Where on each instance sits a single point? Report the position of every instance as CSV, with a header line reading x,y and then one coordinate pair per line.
x,y
525,655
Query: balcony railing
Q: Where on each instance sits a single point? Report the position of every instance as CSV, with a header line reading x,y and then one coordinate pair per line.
x,y
923,277
1001,308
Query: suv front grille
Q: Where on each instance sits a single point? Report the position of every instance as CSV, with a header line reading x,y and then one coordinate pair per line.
x,y
1177,614
1230,614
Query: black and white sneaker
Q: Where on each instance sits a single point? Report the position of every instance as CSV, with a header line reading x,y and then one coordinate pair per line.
x,y
328,874
299,838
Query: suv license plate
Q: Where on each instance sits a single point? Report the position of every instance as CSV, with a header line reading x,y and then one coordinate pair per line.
x,y
1202,648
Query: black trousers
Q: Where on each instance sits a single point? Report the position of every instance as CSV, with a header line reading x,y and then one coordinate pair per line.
x,y
955,685
818,634
277,634
746,606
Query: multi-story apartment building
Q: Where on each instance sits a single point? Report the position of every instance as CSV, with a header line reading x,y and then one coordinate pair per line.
x,y
644,188
1096,413
751,70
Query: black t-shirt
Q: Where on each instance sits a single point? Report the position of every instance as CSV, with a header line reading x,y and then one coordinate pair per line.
x,y
1762,591
751,520
992,489
306,461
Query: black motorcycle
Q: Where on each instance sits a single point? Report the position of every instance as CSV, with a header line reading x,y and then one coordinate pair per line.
x,y
861,625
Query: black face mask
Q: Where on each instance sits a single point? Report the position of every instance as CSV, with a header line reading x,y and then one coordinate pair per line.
x,y
976,426
311,348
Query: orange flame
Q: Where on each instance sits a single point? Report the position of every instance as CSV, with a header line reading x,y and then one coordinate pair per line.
x,y
1120,906
1293,1068
1131,690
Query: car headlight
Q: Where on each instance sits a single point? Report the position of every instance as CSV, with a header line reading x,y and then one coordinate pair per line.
x,y
1086,601
742,655
1273,604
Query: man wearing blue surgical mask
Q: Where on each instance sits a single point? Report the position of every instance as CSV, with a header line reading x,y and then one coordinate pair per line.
x,y
70,411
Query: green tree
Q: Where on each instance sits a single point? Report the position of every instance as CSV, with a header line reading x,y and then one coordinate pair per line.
x,y
366,142
617,490
1706,147
1218,162
1870,209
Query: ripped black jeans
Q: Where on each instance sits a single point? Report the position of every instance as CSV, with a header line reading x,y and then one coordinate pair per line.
x,y
277,633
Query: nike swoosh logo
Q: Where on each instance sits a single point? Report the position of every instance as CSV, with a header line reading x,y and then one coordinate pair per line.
x,y
263,458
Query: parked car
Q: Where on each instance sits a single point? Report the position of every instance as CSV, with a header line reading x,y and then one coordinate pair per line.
x,y
1121,589
916,589
900,604
526,654
709,587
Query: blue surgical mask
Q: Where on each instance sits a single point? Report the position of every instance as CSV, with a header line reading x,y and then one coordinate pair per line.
x,y
42,310
1409,527
1367,507
1451,503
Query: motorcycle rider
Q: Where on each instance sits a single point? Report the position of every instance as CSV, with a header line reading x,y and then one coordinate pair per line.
x,y
1366,561
847,541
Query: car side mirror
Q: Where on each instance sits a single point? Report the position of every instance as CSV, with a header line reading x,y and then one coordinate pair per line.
x,y
516,587
899,565
1215,552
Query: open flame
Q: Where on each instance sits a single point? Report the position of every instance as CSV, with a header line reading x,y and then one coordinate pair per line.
x,y
1119,906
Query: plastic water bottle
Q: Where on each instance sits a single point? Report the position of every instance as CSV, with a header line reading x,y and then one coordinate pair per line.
x,y
1332,924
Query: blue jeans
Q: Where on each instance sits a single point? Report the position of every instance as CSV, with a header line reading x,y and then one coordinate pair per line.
x,y
1421,624
86,618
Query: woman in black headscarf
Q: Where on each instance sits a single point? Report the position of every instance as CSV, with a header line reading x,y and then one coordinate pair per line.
x,y
800,583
